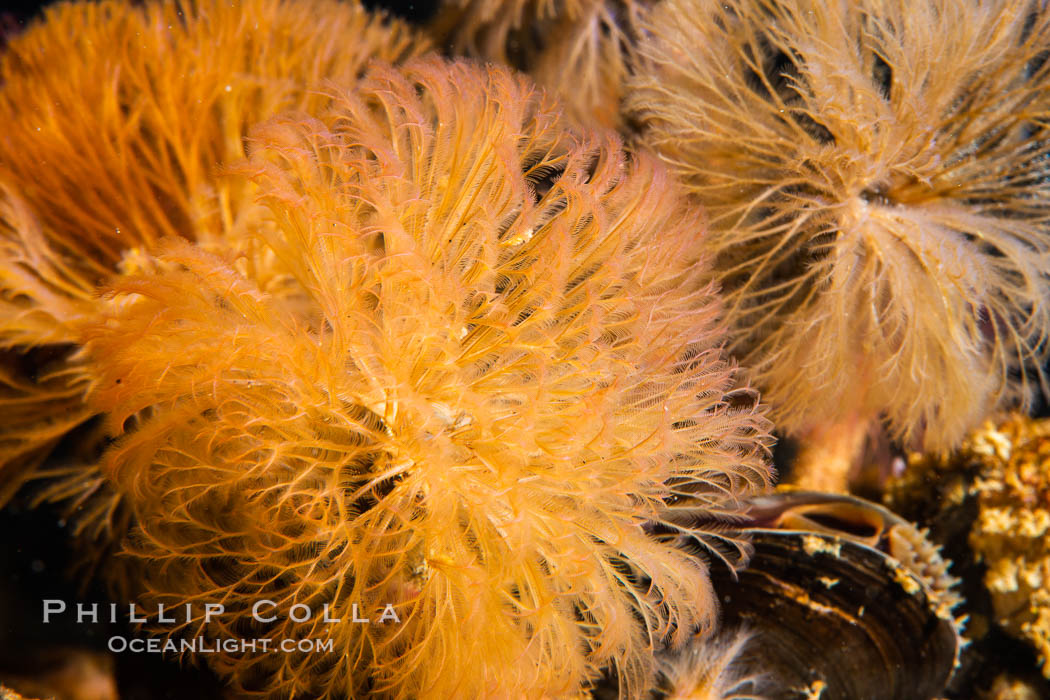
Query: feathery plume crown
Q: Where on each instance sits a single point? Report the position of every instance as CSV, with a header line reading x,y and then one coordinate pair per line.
x,y
876,177
488,391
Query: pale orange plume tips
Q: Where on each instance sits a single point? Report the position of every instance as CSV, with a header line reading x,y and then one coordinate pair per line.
x,y
876,177
580,49
714,668
490,393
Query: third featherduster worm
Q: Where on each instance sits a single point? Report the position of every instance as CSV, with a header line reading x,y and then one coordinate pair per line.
x,y
876,173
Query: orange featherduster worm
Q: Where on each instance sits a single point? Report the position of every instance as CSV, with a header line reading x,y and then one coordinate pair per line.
x,y
486,409
581,49
876,177
116,119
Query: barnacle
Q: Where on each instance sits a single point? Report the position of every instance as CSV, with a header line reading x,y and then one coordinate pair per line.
x,y
837,567
581,49
875,174
488,392
117,119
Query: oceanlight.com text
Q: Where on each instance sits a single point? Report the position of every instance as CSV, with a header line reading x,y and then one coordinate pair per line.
x,y
199,645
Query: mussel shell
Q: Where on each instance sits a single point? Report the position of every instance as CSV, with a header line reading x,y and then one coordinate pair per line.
x,y
833,615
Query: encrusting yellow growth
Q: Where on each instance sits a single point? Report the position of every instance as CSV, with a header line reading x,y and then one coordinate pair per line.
x,y
1012,531
875,173
466,366
580,49
117,119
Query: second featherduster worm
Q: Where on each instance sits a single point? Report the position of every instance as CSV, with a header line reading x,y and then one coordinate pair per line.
x,y
483,386
117,119
876,175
